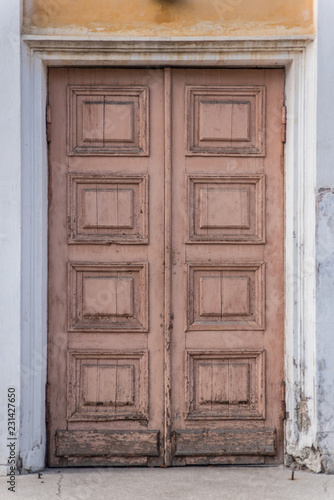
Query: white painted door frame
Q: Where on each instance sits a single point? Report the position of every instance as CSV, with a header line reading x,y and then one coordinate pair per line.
x,y
298,56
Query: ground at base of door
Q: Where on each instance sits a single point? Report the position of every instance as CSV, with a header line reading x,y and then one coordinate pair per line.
x,y
188,483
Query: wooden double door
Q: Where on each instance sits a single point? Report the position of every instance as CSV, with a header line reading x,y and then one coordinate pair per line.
x,y
166,296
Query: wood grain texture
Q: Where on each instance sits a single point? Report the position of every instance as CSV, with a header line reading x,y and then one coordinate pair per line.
x,y
168,320
219,460
107,461
225,442
107,386
226,209
106,209
225,296
108,120
226,120
225,385
108,297
107,443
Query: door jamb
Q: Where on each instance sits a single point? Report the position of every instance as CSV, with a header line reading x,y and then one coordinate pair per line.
x,y
298,56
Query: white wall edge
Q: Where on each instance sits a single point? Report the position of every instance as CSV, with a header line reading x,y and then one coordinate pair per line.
x,y
301,424
298,56
34,262
10,225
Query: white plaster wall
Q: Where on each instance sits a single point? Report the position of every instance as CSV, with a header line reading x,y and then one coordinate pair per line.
x,y
34,202
10,212
325,235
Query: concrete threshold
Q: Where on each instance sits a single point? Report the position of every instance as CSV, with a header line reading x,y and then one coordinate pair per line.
x,y
184,483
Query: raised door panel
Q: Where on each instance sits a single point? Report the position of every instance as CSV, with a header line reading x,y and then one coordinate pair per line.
x,y
225,385
225,296
225,120
107,386
108,120
226,209
108,297
104,209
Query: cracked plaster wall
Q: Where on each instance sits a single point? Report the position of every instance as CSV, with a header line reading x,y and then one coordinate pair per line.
x,y
325,321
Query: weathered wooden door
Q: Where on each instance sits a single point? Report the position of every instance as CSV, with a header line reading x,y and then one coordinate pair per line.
x,y
227,282
166,299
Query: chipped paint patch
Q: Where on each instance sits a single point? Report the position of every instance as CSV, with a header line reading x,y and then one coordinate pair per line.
x,y
303,419
309,457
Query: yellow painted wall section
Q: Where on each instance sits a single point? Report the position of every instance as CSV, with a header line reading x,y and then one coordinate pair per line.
x,y
169,17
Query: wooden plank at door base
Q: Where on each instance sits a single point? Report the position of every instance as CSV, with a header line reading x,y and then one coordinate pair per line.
x,y
107,443
219,460
106,461
225,442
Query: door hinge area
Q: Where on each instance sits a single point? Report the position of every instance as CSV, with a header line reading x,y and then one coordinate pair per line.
x,y
283,403
284,116
48,123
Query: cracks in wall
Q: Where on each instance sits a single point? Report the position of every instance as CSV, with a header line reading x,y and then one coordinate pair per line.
x,y
305,453
313,458
325,317
303,419
31,461
314,446
19,463
326,444
309,457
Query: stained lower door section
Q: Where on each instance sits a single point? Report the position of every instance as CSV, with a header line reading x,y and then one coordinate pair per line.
x,y
166,298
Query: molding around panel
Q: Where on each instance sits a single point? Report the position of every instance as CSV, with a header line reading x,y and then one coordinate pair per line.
x,y
221,231
125,400
245,289
243,132
237,384
131,107
128,228
93,307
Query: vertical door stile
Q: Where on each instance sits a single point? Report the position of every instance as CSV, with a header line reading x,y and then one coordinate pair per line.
x,y
167,265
